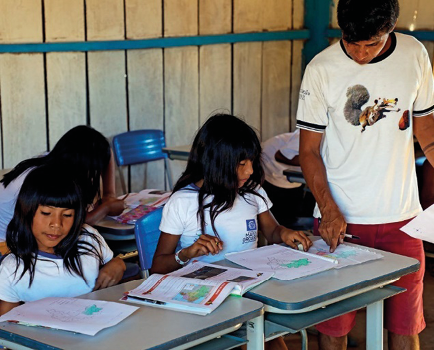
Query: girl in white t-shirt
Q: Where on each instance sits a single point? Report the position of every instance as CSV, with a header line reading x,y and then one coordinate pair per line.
x,y
217,205
51,252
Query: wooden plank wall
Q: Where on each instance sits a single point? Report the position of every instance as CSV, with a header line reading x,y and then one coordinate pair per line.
x,y
174,89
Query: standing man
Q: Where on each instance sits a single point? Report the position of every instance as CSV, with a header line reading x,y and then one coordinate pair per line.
x,y
361,101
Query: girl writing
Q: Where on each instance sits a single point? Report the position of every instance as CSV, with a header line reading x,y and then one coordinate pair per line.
x,y
51,252
217,205
87,155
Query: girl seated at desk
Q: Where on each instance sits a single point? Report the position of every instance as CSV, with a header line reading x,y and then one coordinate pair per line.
x,y
52,252
218,205
87,155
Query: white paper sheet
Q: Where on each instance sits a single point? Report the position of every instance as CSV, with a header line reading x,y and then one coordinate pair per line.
x,y
287,263
345,255
422,226
71,314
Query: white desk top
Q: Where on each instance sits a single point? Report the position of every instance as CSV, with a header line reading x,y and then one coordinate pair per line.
x,y
321,289
147,328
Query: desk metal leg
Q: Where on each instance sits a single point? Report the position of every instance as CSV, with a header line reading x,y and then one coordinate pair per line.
x,y
374,326
255,333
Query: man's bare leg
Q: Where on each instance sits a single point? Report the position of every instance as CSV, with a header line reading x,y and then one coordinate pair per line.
x,y
403,342
327,342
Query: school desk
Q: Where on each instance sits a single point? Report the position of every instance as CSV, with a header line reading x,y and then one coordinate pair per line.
x,y
294,305
293,174
178,152
149,328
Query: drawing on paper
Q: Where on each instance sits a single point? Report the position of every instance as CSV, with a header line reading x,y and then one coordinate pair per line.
x,y
193,293
90,310
276,264
339,255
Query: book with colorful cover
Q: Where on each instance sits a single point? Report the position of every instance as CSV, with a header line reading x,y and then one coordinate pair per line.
x,y
130,217
197,288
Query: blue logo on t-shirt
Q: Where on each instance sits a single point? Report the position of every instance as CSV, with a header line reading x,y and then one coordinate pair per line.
x,y
251,224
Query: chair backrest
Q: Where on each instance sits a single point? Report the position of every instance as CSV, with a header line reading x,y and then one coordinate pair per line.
x,y
139,146
147,233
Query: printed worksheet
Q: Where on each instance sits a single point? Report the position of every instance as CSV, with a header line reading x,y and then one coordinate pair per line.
x,y
286,263
71,314
421,226
345,255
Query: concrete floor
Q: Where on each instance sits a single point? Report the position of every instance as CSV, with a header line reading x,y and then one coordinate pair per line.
x,y
358,333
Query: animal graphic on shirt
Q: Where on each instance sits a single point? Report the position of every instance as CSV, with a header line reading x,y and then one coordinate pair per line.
x,y
357,96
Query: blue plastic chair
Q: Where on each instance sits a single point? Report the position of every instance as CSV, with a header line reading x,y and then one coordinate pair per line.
x,y
140,146
147,233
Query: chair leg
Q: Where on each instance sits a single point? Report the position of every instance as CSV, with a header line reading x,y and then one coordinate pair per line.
x,y
121,177
168,173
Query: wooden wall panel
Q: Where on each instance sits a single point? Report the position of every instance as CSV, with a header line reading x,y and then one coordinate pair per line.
x,y
64,20
215,17
275,88
296,76
105,19
22,107
66,89
247,82
20,21
180,17
181,84
277,15
215,80
146,109
143,19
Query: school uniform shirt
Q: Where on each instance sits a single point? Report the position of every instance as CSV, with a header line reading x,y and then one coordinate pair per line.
x,y
288,145
51,278
365,113
8,199
237,227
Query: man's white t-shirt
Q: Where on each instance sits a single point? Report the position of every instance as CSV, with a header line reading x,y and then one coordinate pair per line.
x,y
371,173
288,145
51,278
237,227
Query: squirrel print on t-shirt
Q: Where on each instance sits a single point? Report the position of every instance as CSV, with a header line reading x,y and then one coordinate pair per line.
x,y
357,96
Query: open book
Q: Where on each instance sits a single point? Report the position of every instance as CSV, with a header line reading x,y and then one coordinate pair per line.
x,y
197,288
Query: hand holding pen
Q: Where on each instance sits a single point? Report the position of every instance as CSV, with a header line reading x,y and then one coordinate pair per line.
x,y
204,245
332,228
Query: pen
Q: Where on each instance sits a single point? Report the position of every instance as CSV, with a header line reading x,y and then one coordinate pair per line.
x,y
351,236
157,302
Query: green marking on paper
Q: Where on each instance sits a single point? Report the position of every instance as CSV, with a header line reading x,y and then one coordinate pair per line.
x,y
90,310
296,263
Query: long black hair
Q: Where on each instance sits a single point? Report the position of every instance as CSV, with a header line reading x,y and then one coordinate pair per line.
x,y
218,148
48,185
83,150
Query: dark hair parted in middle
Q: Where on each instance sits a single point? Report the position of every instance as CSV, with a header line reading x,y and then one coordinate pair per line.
x,y
218,148
48,185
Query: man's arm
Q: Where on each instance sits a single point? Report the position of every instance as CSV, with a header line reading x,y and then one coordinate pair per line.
x,y
423,129
333,225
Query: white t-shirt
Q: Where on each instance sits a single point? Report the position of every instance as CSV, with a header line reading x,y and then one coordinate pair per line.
x,y
371,173
51,278
288,145
8,199
237,227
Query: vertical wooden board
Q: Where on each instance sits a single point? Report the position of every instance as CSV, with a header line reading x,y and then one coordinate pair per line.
x,y
180,17
20,21
334,14
248,15
247,82
215,80
22,107
66,93
298,14
215,17
64,20
107,94
105,19
181,84
275,88
277,15
146,109
296,76
143,19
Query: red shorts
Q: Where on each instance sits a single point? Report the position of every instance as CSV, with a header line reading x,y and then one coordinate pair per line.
x,y
403,313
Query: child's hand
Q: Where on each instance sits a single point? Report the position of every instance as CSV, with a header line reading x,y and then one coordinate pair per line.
x,y
113,205
110,274
292,238
205,245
